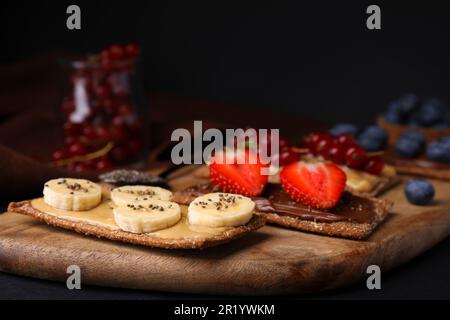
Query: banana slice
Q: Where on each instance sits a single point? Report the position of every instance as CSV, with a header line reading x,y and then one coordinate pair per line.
x,y
220,210
139,195
155,215
72,194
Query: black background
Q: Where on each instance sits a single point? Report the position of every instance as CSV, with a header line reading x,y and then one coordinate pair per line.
x,y
314,58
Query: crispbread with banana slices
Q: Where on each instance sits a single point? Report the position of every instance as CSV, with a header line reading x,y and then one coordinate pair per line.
x,y
86,227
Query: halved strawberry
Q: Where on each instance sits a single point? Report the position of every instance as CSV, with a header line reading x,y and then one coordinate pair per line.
x,y
317,185
245,179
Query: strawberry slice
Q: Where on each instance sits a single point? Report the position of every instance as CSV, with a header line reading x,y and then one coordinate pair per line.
x,y
317,185
233,177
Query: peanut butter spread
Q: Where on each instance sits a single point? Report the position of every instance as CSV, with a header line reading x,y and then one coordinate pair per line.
x,y
103,216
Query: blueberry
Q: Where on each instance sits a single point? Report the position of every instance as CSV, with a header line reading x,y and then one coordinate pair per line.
x,y
400,110
419,192
395,113
375,133
414,135
436,101
373,138
445,140
407,148
343,128
393,117
370,144
395,107
439,150
408,103
446,119
431,112
440,126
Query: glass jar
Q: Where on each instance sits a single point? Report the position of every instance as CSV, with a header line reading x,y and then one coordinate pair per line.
x,y
104,112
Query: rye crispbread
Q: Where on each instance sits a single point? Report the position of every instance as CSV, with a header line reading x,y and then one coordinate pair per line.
x,y
25,207
345,229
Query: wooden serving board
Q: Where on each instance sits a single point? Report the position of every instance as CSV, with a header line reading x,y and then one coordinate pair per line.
x,y
270,261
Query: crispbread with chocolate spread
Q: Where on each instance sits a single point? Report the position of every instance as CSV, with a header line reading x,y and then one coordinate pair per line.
x,y
354,217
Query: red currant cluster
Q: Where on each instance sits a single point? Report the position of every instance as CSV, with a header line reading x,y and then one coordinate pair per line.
x,y
287,153
99,110
342,150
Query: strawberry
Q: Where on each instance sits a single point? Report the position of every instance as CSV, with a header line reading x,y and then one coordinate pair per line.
x,y
245,179
317,185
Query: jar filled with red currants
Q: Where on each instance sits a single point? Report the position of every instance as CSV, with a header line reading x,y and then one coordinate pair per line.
x,y
104,112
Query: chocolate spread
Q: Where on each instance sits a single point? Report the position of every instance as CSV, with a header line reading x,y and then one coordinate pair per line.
x,y
275,200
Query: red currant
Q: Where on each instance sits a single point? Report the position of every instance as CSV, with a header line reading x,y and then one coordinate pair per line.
x,y
106,105
103,134
60,154
71,129
90,132
288,156
125,109
117,134
70,140
104,54
283,143
355,157
103,91
71,166
81,166
120,153
323,146
135,125
68,106
118,121
135,146
132,50
91,164
103,165
116,52
336,154
77,149
345,140
374,165
310,141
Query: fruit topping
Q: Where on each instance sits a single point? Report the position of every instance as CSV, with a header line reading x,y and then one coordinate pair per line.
x,y
410,110
288,155
414,135
407,148
344,128
374,165
373,138
431,112
439,150
344,150
226,172
317,185
355,157
419,192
